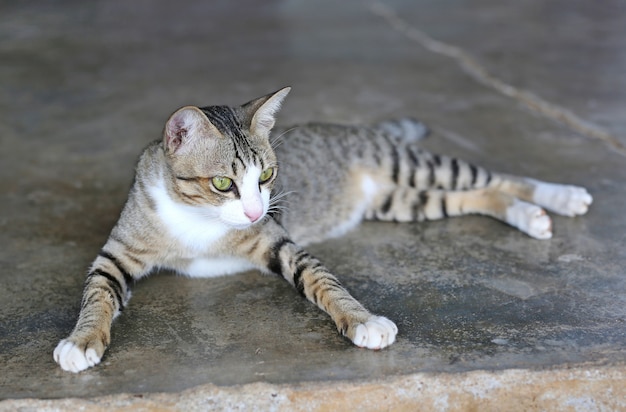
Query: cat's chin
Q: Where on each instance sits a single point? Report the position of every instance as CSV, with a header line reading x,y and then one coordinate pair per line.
x,y
241,225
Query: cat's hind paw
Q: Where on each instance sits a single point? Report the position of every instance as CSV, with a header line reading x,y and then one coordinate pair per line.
x,y
376,333
562,199
530,219
74,359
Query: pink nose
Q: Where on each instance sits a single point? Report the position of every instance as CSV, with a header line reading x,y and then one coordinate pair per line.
x,y
253,215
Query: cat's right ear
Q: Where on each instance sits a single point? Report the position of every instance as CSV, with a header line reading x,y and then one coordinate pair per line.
x,y
183,127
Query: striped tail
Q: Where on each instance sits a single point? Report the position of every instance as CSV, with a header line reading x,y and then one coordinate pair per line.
x,y
407,129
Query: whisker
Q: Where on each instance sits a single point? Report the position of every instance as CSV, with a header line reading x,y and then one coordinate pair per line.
x,y
277,207
276,211
281,194
280,197
275,142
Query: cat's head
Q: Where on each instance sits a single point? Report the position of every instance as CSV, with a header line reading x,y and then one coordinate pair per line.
x,y
221,159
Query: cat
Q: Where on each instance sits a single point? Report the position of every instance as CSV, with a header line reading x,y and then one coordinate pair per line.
x,y
217,195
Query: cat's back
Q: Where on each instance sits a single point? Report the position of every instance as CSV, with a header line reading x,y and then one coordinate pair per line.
x,y
321,171
315,158
319,150
345,145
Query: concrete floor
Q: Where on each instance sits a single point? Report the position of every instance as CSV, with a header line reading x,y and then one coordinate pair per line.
x,y
86,85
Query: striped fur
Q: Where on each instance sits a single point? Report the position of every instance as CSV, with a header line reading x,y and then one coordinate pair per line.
x,y
275,195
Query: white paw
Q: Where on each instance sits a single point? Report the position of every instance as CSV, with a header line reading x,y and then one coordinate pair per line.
x,y
376,333
530,219
562,199
73,359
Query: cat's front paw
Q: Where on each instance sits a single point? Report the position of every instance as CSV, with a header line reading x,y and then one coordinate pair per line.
x,y
74,358
563,199
375,333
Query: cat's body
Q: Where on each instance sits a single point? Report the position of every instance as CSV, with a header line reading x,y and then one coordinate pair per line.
x,y
213,197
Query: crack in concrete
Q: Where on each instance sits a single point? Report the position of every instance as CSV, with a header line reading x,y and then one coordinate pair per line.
x,y
481,74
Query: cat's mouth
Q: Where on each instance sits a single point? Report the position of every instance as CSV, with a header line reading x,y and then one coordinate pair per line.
x,y
240,215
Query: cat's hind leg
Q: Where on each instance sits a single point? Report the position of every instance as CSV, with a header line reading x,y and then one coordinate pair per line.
x,y
566,200
407,204
428,171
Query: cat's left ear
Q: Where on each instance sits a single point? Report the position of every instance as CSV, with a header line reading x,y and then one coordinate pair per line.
x,y
263,110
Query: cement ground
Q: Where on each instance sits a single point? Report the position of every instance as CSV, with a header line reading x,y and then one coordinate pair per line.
x,y
488,318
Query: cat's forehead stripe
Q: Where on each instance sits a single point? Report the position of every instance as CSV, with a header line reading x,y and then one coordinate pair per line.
x,y
224,119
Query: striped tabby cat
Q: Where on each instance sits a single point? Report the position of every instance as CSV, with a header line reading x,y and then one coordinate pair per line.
x,y
207,201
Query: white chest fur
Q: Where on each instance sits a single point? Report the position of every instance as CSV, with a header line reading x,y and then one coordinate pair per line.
x,y
194,230
211,267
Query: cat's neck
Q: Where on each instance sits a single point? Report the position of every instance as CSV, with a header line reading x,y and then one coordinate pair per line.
x,y
194,228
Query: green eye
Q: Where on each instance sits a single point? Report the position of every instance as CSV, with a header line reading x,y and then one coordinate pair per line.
x,y
223,184
266,175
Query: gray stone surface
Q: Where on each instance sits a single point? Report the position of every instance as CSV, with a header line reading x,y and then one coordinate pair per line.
x,y
85,85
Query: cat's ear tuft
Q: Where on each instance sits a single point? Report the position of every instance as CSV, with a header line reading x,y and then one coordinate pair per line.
x,y
181,128
263,111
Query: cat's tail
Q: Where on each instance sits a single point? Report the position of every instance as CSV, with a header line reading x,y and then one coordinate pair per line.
x,y
407,129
